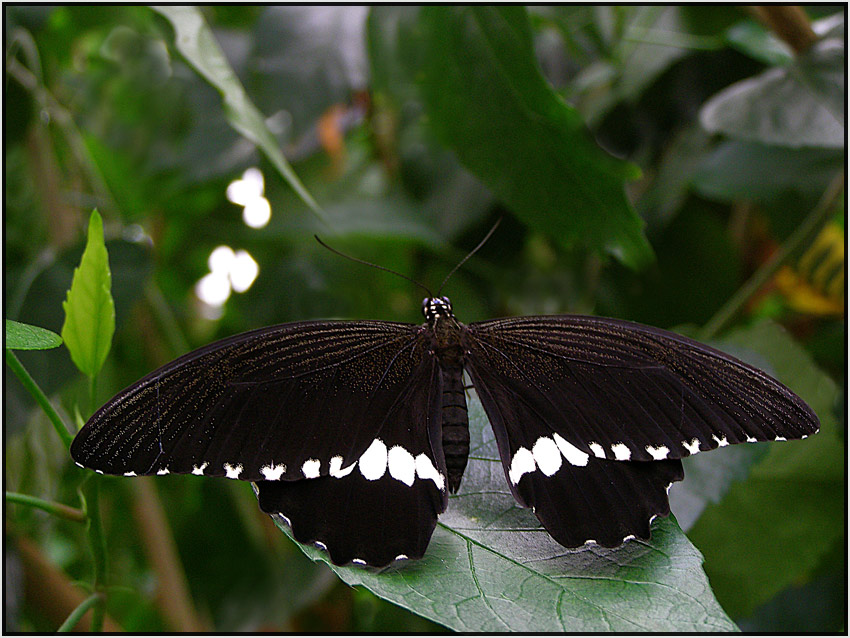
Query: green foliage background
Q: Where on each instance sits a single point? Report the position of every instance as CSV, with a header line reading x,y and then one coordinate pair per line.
x,y
636,178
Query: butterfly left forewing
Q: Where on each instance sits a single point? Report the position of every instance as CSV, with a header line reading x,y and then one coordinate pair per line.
x,y
336,422
278,403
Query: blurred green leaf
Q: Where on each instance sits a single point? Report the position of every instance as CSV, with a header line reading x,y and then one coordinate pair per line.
x,y
772,530
89,309
669,188
801,105
431,173
755,172
486,99
697,270
282,39
708,478
621,50
819,605
22,336
491,567
393,63
195,41
750,37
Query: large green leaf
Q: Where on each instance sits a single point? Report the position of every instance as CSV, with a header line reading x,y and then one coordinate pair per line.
x,y
799,105
429,171
753,39
486,99
491,567
755,172
22,336
89,309
772,531
195,41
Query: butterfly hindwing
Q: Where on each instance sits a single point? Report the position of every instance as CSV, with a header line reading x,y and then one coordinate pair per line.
x,y
623,391
384,508
576,496
279,403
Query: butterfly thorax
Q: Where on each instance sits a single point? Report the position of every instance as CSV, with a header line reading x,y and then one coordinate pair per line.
x,y
446,332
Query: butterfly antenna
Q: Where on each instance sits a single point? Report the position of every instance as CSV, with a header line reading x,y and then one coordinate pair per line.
x,y
369,263
471,253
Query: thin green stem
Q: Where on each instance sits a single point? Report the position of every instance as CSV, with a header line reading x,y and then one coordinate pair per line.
x,y
79,612
32,387
59,115
661,37
164,316
51,507
92,394
801,237
98,549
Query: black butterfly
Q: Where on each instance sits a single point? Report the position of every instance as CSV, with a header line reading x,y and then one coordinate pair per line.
x,y
355,432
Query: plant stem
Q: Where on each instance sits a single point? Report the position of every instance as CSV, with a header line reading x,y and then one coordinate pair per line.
x,y
790,23
57,509
92,394
173,597
32,81
801,237
79,612
32,387
98,549
164,316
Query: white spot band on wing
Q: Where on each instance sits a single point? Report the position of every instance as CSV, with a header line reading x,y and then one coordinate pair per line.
x,y
336,470
312,468
658,453
521,463
621,451
373,463
199,470
273,472
402,465
692,447
573,455
547,455
721,442
426,470
232,471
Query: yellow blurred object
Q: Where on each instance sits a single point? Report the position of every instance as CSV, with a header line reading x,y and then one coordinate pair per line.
x,y
332,137
816,285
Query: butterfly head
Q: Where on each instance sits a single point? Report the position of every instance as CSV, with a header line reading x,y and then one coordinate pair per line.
x,y
435,307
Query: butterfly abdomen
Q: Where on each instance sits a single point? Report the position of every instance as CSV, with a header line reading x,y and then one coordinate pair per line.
x,y
455,425
446,332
